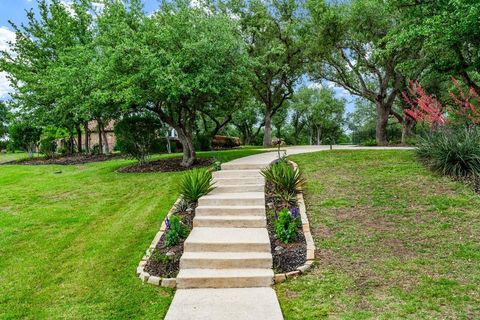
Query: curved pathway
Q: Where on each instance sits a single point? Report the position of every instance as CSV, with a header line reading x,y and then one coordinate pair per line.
x,y
226,269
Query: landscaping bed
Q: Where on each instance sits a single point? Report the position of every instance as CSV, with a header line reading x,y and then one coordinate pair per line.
x,y
66,160
164,261
289,256
165,165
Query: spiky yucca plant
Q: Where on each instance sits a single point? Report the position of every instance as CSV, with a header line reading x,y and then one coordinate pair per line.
x,y
452,151
284,177
195,184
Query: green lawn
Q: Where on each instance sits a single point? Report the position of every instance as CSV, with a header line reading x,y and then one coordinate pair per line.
x,y
6,157
72,236
394,241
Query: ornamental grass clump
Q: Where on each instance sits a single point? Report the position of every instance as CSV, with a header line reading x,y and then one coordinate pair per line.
x,y
195,184
284,177
452,151
286,224
176,231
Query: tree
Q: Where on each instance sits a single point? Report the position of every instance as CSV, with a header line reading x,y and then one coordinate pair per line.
x,y
177,63
325,117
139,135
298,107
4,114
360,62
447,34
272,31
25,136
248,120
43,63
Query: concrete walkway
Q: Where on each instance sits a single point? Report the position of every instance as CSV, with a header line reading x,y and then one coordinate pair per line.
x,y
226,269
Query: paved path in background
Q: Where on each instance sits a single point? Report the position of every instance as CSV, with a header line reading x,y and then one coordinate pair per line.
x,y
226,269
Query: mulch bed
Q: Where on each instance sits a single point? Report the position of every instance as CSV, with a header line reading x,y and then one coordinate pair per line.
x,y
67,160
293,254
165,165
164,266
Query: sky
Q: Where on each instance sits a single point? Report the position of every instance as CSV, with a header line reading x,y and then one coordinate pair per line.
x,y
15,10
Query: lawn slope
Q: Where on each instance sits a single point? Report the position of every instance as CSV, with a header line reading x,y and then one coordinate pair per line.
x,y
72,236
393,240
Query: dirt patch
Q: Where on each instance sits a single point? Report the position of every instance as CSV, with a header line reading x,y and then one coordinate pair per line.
x,y
165,261
66,160
165,165
291,255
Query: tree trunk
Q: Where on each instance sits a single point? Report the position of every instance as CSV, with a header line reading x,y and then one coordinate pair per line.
x,y
382,122
100,137
267,135
79,139
407,129
87,137
103,134
189,154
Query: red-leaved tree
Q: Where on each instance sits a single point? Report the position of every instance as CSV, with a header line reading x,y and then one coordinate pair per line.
x,y
424,108
467,104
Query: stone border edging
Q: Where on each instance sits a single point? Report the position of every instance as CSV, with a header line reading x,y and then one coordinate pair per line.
x,y
281,277
145,276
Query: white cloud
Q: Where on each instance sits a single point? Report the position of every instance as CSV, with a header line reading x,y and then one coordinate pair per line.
x,y
315,85
6,36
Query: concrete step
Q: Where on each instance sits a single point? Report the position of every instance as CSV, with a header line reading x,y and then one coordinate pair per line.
x,y
225,304
238,181
246,210
238,188
237,174
223,260
230,221
241,198
243,166
224,278
227,240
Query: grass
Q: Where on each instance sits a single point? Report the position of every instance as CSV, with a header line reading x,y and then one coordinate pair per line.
x,y
393,241
6,157
72,236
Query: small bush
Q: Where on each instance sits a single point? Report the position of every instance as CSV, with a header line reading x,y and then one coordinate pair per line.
x,y
453,152
195,184
139,136
176,230
181,206
286,225
283,177
202,143
370,143
48,145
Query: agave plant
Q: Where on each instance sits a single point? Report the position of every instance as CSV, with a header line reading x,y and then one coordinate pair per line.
x,y
195,184
284,177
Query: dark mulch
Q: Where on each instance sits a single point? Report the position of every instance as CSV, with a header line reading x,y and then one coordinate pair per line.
x,y
294,254
67,160
164,165
164,266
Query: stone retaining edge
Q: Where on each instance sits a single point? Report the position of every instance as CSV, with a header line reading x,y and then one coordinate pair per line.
x,y
145,276
281,277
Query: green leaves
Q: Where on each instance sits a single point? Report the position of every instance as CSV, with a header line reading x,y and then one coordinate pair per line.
x,y
284,177
195,184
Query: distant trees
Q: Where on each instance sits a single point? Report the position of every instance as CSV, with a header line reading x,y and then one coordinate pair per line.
x,y
24,136
4,118
320,113
272,32
361,61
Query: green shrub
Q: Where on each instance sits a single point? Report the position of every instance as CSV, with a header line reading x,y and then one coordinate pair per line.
x,y
286,225
452,151
176,230
202,143
139,136
24,136
370,143
48,142
181,206
283,177
195,184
